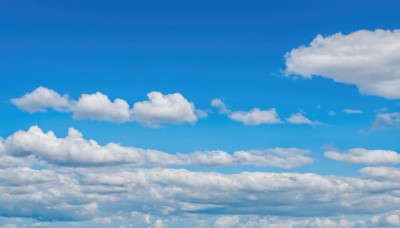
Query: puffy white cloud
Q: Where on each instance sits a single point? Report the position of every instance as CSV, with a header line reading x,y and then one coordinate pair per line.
x,y
352,111
97,106
367,59
159,109
71,150
299,118
41,99
386,120
364,156
74,150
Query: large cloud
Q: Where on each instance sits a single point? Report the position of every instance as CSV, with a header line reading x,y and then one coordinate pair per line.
x,y
74,150
158,110
367,59
364,156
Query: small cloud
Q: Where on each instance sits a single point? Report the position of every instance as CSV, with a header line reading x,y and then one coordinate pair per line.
x,y
352,111
299,119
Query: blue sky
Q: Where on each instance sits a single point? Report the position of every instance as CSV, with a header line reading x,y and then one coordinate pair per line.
x,y
334,65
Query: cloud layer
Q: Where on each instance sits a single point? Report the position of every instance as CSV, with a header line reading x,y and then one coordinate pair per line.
x,y
74,150
158,110
367,59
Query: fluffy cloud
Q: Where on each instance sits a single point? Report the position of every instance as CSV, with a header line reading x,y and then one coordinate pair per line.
x,y
255,116
299,118
170,108
74,150
363,156
158,110
367,59
41,99
99,107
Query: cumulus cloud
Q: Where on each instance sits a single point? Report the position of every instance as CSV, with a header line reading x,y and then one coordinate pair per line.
x,y
98,106
158,110
41,99
367,59
299,118
74,150
255,116
352,111
364,156
170,108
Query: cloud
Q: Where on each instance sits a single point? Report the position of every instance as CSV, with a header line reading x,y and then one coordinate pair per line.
x,y
352,111
255,116
363,156
170,108
41,99
367,59
299,118
159,109
97,106
84,194
386,120
218,103
74,150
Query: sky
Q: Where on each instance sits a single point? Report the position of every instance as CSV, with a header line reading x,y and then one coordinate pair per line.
x,y
199,113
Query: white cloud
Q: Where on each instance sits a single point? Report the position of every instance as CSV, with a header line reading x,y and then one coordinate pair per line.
x,y
74,150
159,109
256,116
367,59
386,120
87,194
41,99
299,118
363,156
352,111
218,103
97,106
